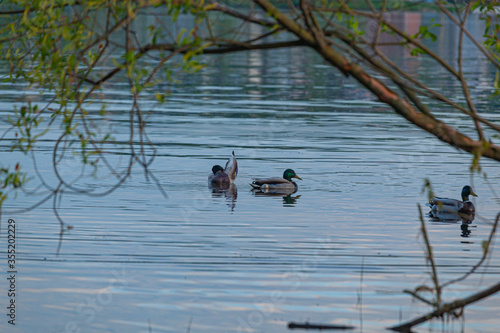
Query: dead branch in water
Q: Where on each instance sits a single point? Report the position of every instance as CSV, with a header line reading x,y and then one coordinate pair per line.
x,y
308,326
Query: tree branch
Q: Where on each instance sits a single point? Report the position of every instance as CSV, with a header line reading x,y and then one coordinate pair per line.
x,y
442,131
478,45
245,17
447,308
463,82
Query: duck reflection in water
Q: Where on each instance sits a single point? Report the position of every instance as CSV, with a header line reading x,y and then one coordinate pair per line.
x,y
231,194
453,217
288,199
465,229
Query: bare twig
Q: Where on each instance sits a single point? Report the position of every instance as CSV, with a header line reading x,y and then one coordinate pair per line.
x,y
463,82
486,251
244,16
430,256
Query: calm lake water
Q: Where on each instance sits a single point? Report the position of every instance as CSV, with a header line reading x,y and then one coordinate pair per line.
x,y
339,251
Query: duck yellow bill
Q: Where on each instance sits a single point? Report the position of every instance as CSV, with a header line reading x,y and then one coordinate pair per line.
x,y
301,179
472,193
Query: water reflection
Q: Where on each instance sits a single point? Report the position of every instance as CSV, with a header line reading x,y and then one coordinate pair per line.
x,y
288,199
465,229
453,217
230,193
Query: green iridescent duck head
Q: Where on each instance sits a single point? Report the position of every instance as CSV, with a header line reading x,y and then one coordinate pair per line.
x,y
289,174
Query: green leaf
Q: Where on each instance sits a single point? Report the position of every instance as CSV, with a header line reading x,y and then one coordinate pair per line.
x,y
417,51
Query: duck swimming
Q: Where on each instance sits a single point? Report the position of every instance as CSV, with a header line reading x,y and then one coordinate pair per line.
x,y
277,184
464,207
223,178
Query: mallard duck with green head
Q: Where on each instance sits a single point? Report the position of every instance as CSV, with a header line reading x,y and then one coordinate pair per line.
x,y
223,178
465,206
277,184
